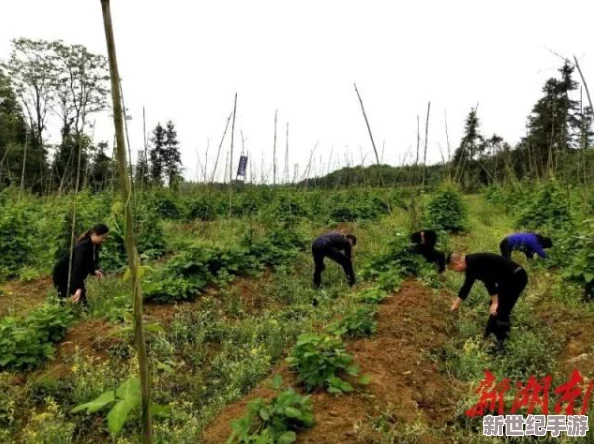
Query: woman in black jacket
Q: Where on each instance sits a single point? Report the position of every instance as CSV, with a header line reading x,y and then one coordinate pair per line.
x,y
85,261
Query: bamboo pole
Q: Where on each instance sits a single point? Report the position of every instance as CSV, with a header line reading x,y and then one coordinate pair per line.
x,y
286,174
232,140
426,143
132,254
274,151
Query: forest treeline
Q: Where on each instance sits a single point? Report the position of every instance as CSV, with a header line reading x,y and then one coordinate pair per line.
x,y
42,80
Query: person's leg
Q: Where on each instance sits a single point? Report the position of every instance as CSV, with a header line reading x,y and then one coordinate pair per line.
x,y
344,262
508,296
529,255
318,258
505,249
589,291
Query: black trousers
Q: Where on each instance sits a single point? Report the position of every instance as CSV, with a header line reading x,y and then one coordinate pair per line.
x,y
589,291
508,294
506,250
431,255
320,252
62,289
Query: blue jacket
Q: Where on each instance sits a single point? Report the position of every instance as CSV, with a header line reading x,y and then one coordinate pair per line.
x,y
525,242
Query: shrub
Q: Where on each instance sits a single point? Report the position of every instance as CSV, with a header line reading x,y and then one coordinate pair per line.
x,y
319,360
274,422
359,323
447,211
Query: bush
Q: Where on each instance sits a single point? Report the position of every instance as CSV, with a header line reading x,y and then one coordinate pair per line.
x,y
359,323
549,208
24,344
447,212
275,421
319,360
16,238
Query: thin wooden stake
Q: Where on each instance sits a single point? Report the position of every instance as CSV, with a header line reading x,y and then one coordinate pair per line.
x,y
143,362
426,143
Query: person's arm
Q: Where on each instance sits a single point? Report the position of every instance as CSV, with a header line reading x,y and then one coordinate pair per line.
x,y
494,304
97,271
347,248
463,293
78,266
538,249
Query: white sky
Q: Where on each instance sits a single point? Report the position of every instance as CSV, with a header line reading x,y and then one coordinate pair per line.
x,y
184,60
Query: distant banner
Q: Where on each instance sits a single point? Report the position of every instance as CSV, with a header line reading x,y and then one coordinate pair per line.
x,y
242,166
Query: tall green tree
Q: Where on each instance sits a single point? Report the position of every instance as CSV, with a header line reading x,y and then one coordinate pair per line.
x,y
32,71
172,156
102,170
472,143
157,155
142,176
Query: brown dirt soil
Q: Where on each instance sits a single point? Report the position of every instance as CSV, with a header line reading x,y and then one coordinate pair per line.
x,y
18,298
404,379
577,332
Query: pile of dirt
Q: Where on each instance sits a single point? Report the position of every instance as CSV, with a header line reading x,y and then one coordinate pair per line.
x,y
18,298
405,380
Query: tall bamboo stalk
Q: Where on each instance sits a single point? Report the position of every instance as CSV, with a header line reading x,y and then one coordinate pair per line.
x,y
426,143
274,151
132,254
232,140
286,174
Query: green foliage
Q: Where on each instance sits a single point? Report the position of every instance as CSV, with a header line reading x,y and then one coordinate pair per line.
x,y
446,211
390,267
274,422
26,343
372,295
190,272
358,323
550,207
125,400
16,231
320,360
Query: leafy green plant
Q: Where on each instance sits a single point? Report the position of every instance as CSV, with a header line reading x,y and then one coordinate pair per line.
x,y
274,422
126,399
447,211
372,295
24,344
359,323
320,360
550,207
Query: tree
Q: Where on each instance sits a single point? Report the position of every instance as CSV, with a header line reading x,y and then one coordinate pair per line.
x,y
172,156
102,168
472,143
141,171
554,125
12,133
33,72
157,155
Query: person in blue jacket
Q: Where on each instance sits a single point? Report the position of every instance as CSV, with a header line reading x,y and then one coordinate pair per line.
x,y
528,243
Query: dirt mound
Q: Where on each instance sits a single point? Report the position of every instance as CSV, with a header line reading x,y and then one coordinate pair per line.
x,y
405,380
18,298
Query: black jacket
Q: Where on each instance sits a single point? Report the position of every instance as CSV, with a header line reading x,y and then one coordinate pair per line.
x,y
427,249
493,270
334,239
85,261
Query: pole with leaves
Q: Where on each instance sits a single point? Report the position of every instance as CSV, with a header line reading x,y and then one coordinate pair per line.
x,y
129,229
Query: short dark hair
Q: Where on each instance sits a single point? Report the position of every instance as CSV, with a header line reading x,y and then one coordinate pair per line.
x,y
415,238
544,242
352,238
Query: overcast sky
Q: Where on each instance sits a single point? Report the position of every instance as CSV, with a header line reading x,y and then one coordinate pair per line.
x,y
184,60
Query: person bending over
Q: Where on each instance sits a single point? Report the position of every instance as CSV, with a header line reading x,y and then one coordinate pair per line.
x,y
337,247
425,245
528,243
504,279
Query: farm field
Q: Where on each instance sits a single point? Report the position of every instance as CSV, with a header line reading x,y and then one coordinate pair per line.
x,y
243,349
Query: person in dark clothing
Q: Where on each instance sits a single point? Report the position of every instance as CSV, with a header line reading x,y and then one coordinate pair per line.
x,y
504,279
589,291
425,245
337,247
528,243
84,261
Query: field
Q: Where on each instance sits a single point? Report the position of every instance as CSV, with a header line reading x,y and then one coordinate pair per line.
x,y
242,347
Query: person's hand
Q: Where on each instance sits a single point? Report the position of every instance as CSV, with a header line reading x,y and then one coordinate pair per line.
x,y
99,274
493,309
456,304
76,296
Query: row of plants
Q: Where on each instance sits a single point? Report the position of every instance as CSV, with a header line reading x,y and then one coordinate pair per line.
x,y
189,273
559,213
321,360
27,342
